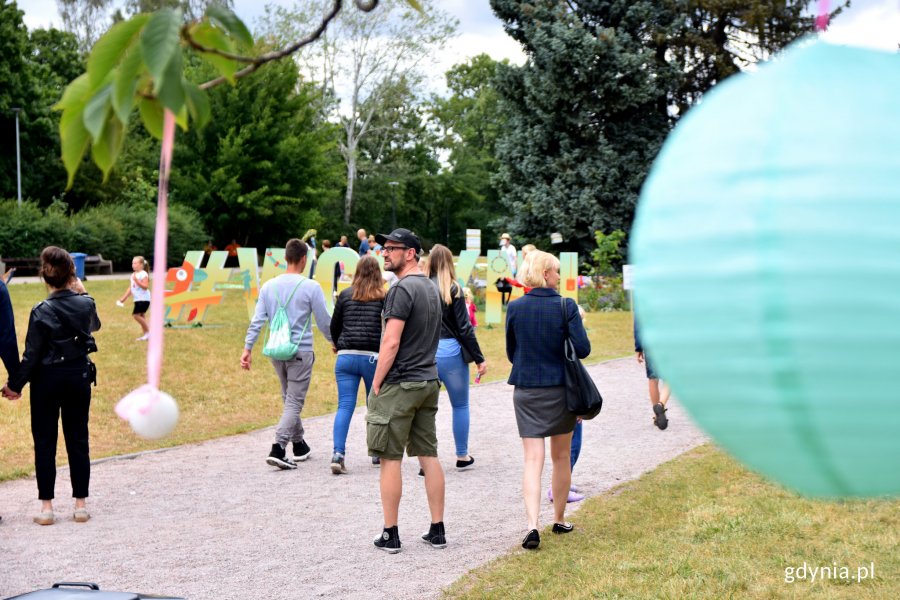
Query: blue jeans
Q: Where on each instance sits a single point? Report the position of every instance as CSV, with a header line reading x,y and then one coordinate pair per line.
x,y
576,443
348,370
454,374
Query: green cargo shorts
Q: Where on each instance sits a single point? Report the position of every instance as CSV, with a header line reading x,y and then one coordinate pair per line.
x,y
402,417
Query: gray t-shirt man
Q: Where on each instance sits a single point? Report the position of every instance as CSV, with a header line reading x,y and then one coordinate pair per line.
x,y
414,300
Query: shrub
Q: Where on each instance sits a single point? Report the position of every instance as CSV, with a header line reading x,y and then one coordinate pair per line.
x,y
605,295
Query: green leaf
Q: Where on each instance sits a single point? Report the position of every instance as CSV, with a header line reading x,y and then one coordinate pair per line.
x,y
125,83
170,91
76,93
159,41
96,111
181,118
230,23
152,115
197,104
209,37
109,49
105,150
415,4
74,138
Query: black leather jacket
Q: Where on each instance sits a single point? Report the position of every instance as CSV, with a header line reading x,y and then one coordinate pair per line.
x,y
455,323
59,333
356,325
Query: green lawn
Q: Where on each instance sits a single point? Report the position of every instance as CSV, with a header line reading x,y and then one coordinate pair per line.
x,y
201,371
701,526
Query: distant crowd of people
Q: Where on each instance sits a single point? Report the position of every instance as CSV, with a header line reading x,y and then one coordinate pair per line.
x,y
402,343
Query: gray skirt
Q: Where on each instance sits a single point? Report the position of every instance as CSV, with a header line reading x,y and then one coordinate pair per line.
x,y
542,411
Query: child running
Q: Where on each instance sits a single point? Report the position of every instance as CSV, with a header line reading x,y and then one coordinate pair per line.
x,y
139,288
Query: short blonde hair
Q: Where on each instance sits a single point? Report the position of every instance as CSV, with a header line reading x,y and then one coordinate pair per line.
x,y
528,248
468,293
534,266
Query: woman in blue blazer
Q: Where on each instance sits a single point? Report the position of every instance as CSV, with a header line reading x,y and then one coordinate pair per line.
x,y
535,331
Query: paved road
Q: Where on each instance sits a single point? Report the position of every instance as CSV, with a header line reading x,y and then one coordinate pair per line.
x,y
212,520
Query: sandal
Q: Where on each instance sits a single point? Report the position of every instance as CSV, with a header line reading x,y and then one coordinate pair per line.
x,y
81,515
45,518
660,419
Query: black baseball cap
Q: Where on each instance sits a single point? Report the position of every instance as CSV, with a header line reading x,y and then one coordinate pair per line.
x,y
401,236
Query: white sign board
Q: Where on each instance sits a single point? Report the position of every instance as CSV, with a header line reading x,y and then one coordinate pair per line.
x,y
473,240
627,277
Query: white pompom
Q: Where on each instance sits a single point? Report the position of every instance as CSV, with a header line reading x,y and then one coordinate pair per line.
x,y
152,413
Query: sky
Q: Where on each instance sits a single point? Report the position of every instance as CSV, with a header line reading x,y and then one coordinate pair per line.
x,y
869,23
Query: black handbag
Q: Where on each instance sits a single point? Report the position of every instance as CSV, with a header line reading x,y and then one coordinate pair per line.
x,y
582,397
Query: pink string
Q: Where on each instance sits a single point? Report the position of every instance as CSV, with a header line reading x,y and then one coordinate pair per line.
x,y
160,248
822,19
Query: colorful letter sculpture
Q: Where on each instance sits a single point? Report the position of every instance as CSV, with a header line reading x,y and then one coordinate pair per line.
x,y
767,259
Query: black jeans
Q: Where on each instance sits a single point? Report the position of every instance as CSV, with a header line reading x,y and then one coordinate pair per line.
x,y
62,390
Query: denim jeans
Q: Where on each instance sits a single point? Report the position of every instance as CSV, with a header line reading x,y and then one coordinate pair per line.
x,y
576,444
348,370
454,374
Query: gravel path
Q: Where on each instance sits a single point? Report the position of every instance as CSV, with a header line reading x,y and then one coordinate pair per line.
x,y
212,520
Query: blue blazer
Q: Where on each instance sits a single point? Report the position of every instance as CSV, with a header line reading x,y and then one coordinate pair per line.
x,y
534,338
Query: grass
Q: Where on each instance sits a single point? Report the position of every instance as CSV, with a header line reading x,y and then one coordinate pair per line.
x,y
201,371
701,526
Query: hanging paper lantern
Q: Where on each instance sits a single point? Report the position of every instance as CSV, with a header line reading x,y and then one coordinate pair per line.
x,y
151,413
767,259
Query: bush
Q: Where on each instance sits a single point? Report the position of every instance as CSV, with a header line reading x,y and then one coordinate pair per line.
x,y
605,295
117,231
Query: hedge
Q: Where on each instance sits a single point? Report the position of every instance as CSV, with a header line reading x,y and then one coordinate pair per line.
x,y
117,231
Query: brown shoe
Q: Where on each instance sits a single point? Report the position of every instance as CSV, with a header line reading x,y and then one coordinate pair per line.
x,y
45,518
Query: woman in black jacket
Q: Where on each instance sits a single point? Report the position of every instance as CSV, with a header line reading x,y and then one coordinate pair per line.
x,y
56,363
456,348
356,331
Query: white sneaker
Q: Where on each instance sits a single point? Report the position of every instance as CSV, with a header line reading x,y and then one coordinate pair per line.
x,y
143,338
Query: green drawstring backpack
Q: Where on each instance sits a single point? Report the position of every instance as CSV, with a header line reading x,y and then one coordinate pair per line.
x,y
278,335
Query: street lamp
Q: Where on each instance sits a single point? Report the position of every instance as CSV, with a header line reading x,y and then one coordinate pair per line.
x,y
18,158
393,185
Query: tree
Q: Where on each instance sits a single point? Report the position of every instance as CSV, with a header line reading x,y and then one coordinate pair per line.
x,y
603,84
362,62
264,167
86,19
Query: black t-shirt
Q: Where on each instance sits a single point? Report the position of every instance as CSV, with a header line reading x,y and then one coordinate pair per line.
x,y
415,300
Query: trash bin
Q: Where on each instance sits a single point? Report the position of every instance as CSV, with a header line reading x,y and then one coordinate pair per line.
x,y
79,257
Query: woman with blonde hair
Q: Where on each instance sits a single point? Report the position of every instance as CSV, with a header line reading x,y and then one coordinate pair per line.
x,y
356,332
457,347
536,325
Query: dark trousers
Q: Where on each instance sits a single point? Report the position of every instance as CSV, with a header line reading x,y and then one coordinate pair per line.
x,y
66,391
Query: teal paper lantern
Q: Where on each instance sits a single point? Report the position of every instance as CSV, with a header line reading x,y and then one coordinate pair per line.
x,y
767,265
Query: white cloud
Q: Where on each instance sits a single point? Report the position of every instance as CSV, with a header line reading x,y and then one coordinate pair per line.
x,y
873,24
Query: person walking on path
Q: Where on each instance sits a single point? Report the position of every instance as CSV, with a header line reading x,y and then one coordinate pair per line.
x,y
356,331
139,289
404,398
9,346
457,347
301,298
659,391
534,346
56,362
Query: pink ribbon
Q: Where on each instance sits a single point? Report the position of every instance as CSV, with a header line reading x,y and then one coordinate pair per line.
x,y
160,250
822,19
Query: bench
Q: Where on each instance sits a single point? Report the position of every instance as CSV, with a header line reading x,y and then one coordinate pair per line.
x,y
23,266
97,265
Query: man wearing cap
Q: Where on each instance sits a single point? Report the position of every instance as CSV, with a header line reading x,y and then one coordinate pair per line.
x,y
404,397
509,252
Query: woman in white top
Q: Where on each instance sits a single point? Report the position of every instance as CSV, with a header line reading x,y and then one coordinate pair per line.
x,y
139,288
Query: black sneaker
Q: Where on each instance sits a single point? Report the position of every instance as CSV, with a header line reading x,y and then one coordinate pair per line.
x,y
389,540
532,540
563,528
660,419
421,472
301,451
278,459
376,462
435,536
462,465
